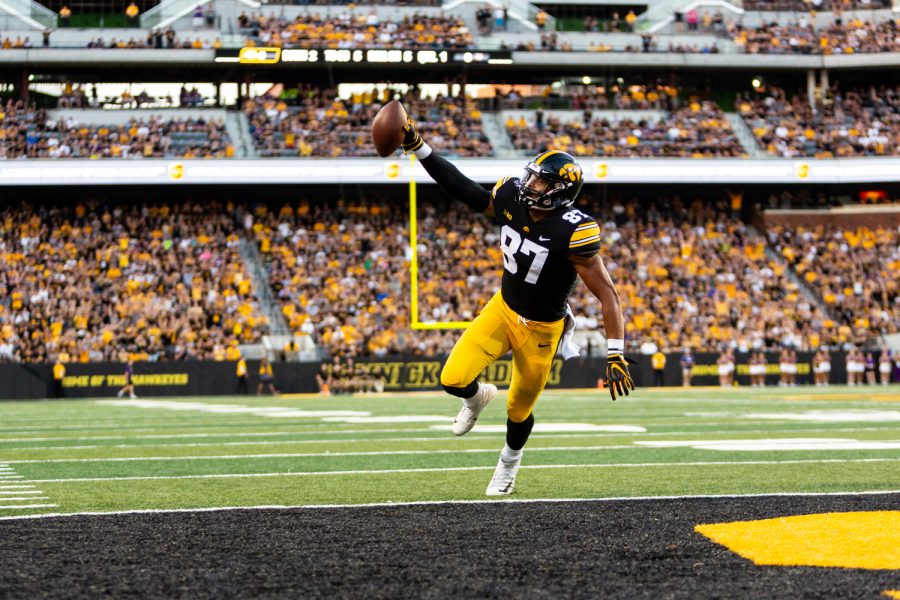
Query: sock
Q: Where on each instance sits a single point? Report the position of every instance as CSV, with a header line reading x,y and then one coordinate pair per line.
x,y
517,433
467,393
509,455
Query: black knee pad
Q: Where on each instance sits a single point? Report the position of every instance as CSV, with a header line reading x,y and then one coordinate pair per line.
x,y
517,433
464,392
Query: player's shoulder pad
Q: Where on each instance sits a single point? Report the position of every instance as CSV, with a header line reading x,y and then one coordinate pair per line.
x,y
585,238
502,182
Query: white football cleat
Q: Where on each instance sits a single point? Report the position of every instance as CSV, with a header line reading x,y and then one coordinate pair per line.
x,y
472,407
504,479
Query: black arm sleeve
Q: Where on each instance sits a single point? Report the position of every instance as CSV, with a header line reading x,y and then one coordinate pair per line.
x,y
456,184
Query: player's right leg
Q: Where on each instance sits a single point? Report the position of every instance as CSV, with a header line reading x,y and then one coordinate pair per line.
x,y
482,343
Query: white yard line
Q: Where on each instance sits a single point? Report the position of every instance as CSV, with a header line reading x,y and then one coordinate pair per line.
x,y
439,436
17,498
450,469
636,446
319,454
29,506
500,501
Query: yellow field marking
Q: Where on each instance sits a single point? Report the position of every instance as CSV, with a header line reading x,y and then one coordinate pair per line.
x,y
852,540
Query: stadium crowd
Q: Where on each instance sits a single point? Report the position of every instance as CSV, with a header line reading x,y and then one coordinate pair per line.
x,y
313,121
816,5
615,96
690,273
89,281
802,37
697,130
349,30
856,272
29,132
856,122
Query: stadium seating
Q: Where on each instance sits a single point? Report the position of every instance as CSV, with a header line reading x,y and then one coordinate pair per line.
x,y
802,37
856,273
93,281
29,132
315,122
355,31
855,122
698,130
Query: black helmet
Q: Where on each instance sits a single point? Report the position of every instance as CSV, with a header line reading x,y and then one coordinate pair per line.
x,y
562,180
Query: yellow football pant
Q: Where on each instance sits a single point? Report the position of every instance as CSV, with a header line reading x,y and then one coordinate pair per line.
x,y
493,333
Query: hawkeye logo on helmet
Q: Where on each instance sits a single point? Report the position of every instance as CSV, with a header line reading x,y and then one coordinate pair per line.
x,y
570,172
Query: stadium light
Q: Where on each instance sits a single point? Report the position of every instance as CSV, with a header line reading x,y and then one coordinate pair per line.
x,y
586,80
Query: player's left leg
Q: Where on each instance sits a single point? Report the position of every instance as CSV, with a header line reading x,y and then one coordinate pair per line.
x,y
532,362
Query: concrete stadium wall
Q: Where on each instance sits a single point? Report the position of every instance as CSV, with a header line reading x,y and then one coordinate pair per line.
x,y
401,374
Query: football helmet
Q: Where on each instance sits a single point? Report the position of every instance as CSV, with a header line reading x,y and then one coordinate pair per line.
x,y
552,180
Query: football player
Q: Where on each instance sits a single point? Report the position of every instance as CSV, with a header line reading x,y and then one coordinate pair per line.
x,y
546,245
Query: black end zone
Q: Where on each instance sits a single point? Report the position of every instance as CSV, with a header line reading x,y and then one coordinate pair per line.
x,y
618,549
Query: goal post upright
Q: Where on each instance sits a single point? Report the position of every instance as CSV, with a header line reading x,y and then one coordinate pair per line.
x,y
415,323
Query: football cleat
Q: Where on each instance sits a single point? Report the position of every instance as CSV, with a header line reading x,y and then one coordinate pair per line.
x,y
472,407
504,479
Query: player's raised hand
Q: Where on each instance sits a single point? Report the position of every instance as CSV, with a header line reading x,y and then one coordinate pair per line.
x,y
412,141
618,379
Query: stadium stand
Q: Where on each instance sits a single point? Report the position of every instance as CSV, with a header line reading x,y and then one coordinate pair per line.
x,y
698,130
814,5
855,122
341,276
30,132
803,37
355,31
855,271
315,122
97,282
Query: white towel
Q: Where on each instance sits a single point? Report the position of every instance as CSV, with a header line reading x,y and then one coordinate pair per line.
x,y
567,347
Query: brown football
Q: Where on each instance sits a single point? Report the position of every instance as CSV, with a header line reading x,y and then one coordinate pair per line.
x,y
387,128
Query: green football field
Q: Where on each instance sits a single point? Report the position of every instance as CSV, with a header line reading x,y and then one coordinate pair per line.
x,y
119,455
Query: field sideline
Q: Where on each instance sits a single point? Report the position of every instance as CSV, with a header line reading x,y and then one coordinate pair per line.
x,y
158,454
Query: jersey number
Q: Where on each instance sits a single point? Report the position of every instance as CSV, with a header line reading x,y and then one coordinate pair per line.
x,y
511,242
574,216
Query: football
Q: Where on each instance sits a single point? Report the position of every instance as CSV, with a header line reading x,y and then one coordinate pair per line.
x,y
387,128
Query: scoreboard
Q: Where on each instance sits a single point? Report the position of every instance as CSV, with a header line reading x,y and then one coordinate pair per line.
x,y
269,56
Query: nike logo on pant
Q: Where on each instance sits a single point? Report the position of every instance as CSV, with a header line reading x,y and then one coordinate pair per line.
x,y
543,345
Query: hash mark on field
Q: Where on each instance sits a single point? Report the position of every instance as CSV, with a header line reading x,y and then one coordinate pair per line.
x,y
22,493
485,468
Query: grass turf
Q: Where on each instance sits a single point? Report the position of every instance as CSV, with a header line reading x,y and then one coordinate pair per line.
x,y
75,456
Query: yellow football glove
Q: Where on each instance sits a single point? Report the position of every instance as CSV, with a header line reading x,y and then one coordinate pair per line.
x,y
412,141
618,379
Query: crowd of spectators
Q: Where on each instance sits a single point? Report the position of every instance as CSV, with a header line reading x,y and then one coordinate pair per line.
x,y
816,5
801,36
612,96
355,30
690,273
697,130
855,271
313,121
90,281
29,132
157,39
856,122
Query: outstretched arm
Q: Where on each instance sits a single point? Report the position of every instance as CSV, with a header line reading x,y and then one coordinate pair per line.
x,y
595,276
446,175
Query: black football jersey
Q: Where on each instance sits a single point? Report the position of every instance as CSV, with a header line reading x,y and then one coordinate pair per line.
x,y
538,276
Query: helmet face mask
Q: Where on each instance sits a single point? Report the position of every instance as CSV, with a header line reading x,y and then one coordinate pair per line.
x,y
550,181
